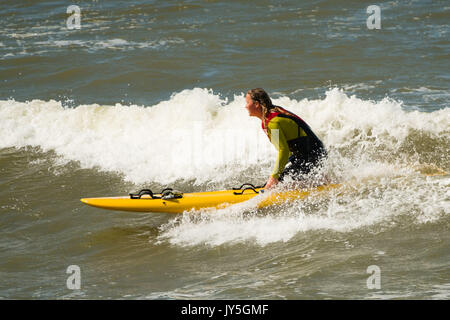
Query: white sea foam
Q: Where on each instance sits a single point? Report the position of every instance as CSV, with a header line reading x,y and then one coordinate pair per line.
x,y
194,135
198,135
116,44
383,203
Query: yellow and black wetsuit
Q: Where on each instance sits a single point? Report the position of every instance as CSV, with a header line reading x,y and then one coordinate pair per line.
x,y
299,149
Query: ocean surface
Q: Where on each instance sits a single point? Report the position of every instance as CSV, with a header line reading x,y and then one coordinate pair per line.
x,y
151,94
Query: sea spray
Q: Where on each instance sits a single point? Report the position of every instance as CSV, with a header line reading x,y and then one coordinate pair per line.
x,y
197,135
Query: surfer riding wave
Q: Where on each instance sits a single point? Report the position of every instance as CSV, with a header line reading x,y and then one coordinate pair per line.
x,y
299,149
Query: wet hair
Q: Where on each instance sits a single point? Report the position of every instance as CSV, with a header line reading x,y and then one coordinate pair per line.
x,y
260,95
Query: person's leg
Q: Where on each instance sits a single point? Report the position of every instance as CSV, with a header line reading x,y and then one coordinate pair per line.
x,y
298,169
295,169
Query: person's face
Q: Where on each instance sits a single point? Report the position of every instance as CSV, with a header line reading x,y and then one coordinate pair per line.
x,y
253,107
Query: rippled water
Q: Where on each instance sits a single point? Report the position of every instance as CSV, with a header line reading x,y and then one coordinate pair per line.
x,y
152,94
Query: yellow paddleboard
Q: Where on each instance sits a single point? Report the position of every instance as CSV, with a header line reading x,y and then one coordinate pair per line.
x,y
201,200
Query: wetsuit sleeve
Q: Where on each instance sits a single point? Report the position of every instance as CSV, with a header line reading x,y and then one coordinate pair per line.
x,y
278,139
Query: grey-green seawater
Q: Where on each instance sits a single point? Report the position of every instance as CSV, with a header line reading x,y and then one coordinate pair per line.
x,y
106,109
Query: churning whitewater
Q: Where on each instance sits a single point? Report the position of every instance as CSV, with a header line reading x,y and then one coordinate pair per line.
x,y
98,99
199,136
392,162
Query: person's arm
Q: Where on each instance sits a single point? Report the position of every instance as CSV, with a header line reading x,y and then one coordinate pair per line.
x,y
278,139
